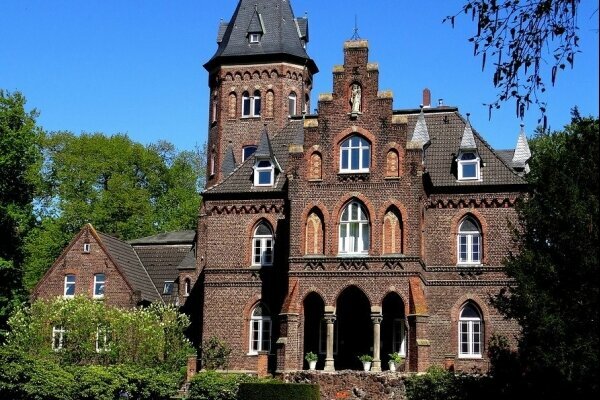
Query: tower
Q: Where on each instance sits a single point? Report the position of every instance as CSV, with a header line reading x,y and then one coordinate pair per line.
x,y
260,76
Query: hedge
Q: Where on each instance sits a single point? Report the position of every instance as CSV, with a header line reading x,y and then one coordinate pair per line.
x,y
278,391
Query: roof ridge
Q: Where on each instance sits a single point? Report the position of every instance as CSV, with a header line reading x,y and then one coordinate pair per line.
x,y
147,274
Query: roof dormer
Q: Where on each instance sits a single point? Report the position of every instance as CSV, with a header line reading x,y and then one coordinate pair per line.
x,y
265,164
256,27
468,159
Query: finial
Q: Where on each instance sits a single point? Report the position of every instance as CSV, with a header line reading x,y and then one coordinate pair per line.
x,y
355,35
468,119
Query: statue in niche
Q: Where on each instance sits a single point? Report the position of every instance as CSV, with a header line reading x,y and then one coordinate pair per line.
x,y
355,98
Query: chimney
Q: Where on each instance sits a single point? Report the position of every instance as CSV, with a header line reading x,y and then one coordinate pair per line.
x,y
426,98
440,102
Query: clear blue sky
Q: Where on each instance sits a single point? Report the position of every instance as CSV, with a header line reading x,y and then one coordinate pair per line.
x,y
135,66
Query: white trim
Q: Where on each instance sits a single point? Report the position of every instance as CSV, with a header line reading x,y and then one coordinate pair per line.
x,y
58,332
74,284
464,163
354,232
97,288
349,150
262,247
259,325
258,170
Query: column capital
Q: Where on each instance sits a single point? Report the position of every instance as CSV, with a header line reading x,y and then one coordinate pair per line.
x,y
329,318
377,319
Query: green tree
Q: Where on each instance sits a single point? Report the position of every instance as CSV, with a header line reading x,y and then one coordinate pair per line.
x,y
516,36
556,270
123,188
18,156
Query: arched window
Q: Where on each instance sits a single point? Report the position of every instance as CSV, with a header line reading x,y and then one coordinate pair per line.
x,y
270,99
292,104
468,166
392,233
246,104
470,332
392,164
264,173
247,151
262,246
256,104
260,329
306,106
355,155
187,287
315,168
354,230
314,234
69,290
469,242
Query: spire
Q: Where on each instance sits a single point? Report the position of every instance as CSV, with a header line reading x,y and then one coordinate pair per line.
x,y
283,37
228,161
468,139
264,149
421,133
522,153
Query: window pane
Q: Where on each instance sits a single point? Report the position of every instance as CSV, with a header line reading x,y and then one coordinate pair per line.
x,y
354,159
353,212
257,106
476,251
345,159
366,155
365,237
462,248
469,171
343,234
248,151
246,106
264,177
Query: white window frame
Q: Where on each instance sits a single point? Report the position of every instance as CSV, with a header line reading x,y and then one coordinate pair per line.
x,y
251,104
58,337
250,146
254,38
260,325
86,247
67,284
168,285
262,247
187,287
355,147
292,104
262,169
399,336
472,242
354,232
472,330
96,287
102,339
462,163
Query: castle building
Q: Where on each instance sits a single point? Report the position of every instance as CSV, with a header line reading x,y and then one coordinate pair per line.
x,y
357,229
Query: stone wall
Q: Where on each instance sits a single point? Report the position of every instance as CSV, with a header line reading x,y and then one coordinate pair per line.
x,y
353,385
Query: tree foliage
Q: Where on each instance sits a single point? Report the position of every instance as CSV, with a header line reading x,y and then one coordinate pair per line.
x,y
528,42
123,188
555,298
19,154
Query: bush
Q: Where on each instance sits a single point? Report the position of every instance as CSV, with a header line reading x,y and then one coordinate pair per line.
x,y
215,354
278,391
211,385
439,384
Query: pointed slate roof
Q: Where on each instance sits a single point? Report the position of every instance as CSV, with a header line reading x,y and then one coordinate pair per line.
x,y
282,38
522,153
228,165
420,134
467,141
264,148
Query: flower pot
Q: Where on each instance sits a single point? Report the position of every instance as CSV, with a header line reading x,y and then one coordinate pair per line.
x,y
392,366
367,365
312,365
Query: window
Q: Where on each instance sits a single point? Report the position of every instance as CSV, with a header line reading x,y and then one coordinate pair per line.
x,y
399,337
292,104
355,155
168,287
468,166
212,163
354,230
306,106
102,339
251,105
99,284
86,247
264,173
214,109
254,38
469,332
58,338
469,242
260,330
247,152
69,286
187,287
262,246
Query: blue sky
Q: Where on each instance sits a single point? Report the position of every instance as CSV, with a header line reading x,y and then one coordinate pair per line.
x,y
135,67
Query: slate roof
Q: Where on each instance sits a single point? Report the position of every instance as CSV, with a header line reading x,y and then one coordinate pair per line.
x,y
282,34
446,129
241,180
130,265
175,237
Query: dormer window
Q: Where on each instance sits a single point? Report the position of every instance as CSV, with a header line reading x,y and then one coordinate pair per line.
x,y
254,38
468,166
264,173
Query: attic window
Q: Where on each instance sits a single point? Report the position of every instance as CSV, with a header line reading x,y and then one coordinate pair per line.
x,y
264,172
468,166
168,288
254,38
86,247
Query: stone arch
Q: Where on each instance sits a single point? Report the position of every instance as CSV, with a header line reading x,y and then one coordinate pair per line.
x,y
264,74
392,164
313,311
269,103
255,75
480,219
337,213
394,326
345,134
232,105
481,306
228,76
274,73
354,327
294,76
238,76
392,231
319,208
315,166
314,233
270,221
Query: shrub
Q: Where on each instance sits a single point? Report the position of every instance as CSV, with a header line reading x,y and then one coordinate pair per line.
x,y
215,354
211,385
278,391
439,384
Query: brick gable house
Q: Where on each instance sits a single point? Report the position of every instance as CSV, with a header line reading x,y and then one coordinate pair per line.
x,y
360,229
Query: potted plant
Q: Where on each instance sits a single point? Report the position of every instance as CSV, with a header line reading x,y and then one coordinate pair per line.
x,y
366,360
395,360
311,358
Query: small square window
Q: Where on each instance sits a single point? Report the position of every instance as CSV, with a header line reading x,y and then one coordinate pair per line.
x,y
254,37
86,247
168,287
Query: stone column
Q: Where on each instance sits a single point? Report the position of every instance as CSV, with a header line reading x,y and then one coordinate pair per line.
x,y
329,361
376,318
